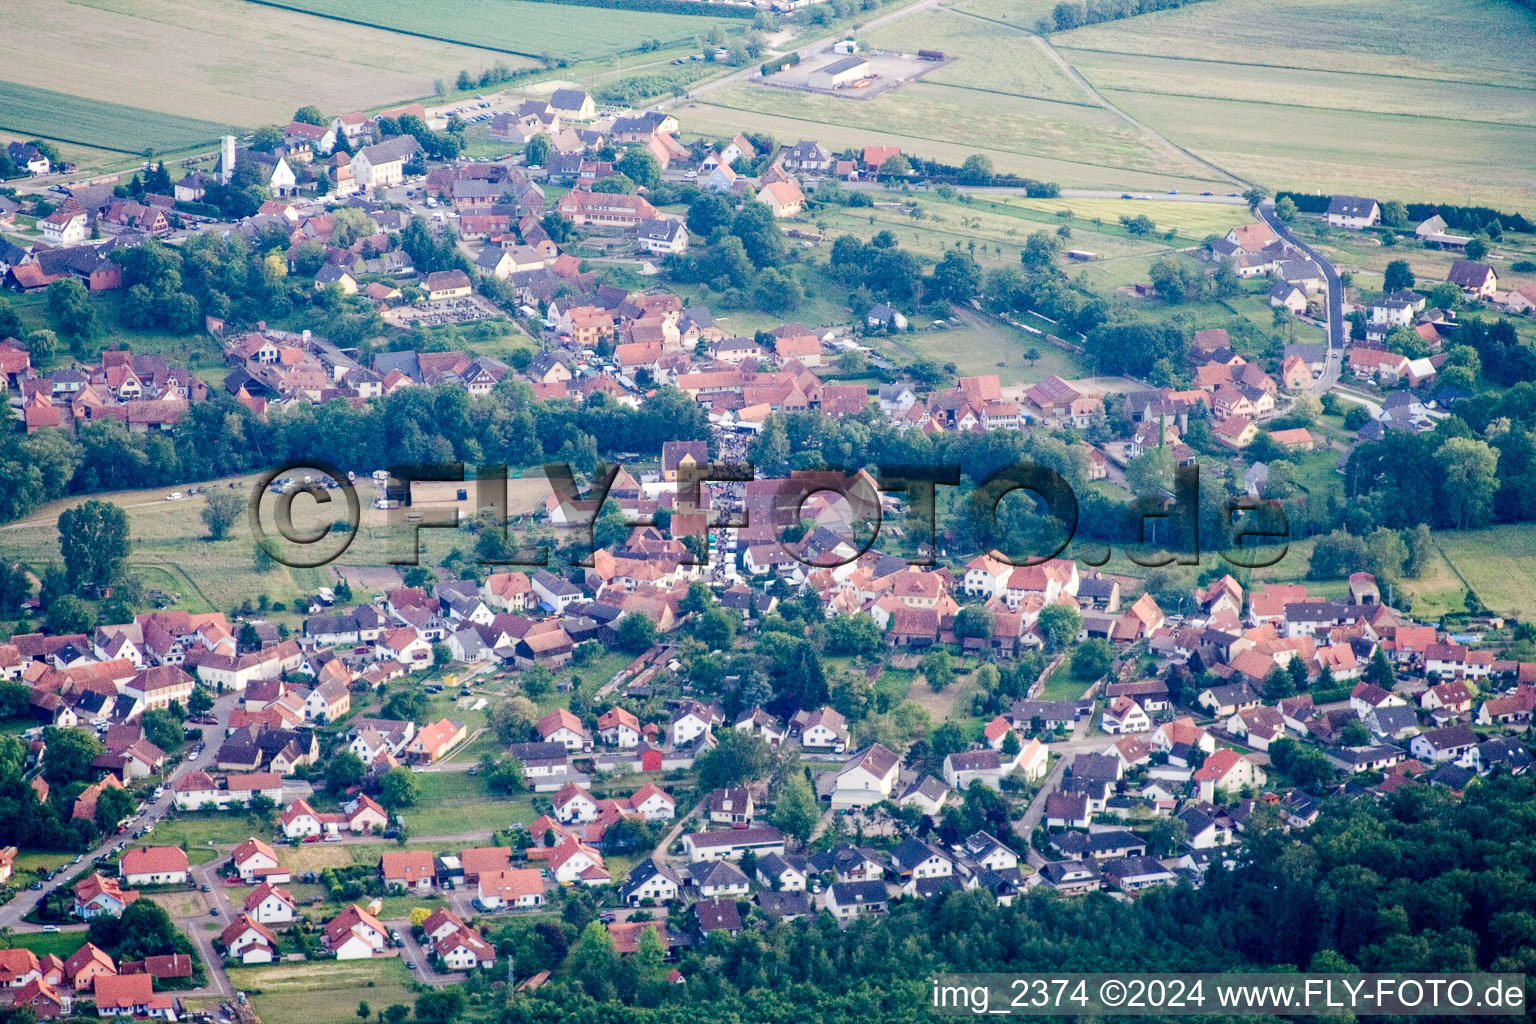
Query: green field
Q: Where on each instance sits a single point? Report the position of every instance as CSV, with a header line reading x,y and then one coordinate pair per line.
x,y
26,110
1323,94
518,27
991,58
981,345
449,803
1498,563
324,992
197,829
60,944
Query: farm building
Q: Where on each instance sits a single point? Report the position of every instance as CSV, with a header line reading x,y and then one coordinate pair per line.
x,y
840,73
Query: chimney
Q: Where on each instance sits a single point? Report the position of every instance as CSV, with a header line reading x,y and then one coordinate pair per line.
x,y
226,159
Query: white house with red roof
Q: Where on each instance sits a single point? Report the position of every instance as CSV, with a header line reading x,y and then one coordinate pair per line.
x,y
562,727
513,887
1228,771
1123,715
154,865
574,805
355,934
412,870
653,803
249,941
618,728
268,904
256,862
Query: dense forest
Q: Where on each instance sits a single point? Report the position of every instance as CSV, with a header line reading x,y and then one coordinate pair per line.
x,y
1420,882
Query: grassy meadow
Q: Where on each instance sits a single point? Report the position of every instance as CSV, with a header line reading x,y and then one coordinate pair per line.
x,y
164,62
33,112
324,992
521,28
1321,94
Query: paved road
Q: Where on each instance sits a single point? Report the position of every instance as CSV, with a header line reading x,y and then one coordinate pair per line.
x,y
11,914
217,896
1335,311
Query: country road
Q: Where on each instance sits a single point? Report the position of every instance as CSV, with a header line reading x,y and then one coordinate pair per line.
x,y
1335,311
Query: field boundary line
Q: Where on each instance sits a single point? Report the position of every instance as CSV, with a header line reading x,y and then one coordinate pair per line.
x,y
1284,67
1092,90
294,8
1004,92
947,142
1313,106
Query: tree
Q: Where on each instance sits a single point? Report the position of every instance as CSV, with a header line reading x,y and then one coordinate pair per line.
x,y
1167,835
266,138
736,758
397,788
44,346
610,529
309,115
1354,734
512,718
852,634
70,753
973,621
1151,473
1420,551
1060,624
70,309
345,770
636,633
1285,209
1394,214
640,167
977,170
364,1011
1379,671
896,166
1476,249
504,775
1091,660
93,538
1039,252
593,961
221,509
956,277
1470,474
1138,225
536,152
1398,276
69,614
795,810
938,668
440,1006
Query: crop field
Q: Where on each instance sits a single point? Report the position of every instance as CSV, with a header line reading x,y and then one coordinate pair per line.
x,y
164,61
518,27
990,58
1321,94
1083,146
1498,563
33,112
324,992
1479,41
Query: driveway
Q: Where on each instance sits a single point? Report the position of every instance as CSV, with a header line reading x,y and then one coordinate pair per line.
x,y
415,953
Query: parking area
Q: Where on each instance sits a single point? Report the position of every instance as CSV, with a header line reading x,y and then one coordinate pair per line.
x,y
885,71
